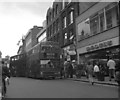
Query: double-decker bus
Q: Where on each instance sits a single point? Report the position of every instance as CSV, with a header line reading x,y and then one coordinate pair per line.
x,y
43,60
18,65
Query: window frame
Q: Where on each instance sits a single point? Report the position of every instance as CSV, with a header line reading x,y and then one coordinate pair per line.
x,y
65,38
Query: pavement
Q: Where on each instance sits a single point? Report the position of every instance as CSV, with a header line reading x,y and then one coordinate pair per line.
x,y
0,93
105,82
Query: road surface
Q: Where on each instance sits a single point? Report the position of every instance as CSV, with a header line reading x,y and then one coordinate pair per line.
x,y
58,88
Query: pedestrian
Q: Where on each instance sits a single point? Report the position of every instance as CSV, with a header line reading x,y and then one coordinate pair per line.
x,y
96,70
61,72
5,74
117,73
74,67
111,65
89,68
79,70
70,69
65,69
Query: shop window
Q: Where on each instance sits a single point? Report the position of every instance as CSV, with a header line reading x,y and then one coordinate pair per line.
x,y
94,24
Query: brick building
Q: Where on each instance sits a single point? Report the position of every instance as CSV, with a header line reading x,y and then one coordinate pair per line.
x,y
30,39
41,36
61,26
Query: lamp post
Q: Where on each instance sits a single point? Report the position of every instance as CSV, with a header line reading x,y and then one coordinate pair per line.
x,y
75,44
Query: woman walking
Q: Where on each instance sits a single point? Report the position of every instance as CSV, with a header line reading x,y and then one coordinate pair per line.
x,y
90,72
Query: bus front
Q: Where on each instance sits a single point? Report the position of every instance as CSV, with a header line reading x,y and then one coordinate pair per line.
x,y
50,65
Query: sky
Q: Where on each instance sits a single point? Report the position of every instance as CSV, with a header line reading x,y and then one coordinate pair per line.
x,y
16,18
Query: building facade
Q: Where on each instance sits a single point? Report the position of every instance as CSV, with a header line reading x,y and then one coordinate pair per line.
x,y
61,26
20,50
41,36
30,39
97,33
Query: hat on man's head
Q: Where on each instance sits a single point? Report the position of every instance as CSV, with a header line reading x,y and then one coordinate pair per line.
x,y
73,61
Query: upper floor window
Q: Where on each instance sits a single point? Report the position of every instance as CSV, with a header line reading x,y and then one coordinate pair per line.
x,y
111,15
56,9
65,38
109,19
71,37
50,17
63,4
64,22
53,13
47,19
58,37
69,1
54,27
71,17
50,30
104,19
57,25
84,28
94,24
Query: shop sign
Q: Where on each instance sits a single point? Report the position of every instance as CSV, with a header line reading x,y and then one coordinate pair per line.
x,y
72,52
99,46
44,61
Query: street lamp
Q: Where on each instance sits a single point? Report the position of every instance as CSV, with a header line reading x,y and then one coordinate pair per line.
x,y
75,44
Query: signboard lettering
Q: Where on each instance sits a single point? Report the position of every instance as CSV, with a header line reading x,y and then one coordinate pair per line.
x,y
99,46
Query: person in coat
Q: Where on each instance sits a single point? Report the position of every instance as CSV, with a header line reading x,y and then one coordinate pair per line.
x,y
5,75
111,65
70,70
89,69
117,73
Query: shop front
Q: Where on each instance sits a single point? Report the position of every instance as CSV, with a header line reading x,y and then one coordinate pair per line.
x,y
100,52
70,53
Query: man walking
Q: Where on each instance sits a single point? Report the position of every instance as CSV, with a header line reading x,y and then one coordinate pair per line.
x,y
70,70
89,69
111,64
